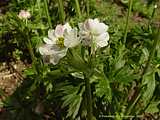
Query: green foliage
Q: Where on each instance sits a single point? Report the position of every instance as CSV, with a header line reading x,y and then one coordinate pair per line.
x,y
153,107
72,98
103,89
149,81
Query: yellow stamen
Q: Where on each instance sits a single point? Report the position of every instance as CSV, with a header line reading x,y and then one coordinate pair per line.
x,y
60,42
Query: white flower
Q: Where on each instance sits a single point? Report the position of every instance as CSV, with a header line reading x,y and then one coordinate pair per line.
x,y
58,42
23,14
94,32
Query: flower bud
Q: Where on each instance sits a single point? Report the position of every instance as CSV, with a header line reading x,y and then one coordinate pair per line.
x,y
23,14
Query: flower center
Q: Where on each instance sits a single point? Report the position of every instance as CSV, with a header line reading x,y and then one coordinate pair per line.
x,y
60,42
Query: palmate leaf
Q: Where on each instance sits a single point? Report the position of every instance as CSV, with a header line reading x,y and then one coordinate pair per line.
x,y
74,106
72,99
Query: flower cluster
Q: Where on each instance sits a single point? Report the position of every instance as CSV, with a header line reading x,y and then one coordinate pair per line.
x,y
64,37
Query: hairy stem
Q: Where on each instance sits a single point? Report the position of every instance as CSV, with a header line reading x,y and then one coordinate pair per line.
x,y
152,52
153,13
88,7
78,8
89,98
39,8
133,104
127,21
47,13
61,11
29,45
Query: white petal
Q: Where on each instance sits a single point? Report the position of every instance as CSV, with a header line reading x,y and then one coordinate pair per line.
x,y
95,26
67,27
54,59
62,52
91,24
84,34
51,35
46,49
88,24
43,50
71,39
86,38
52,53
86,42
96,20
59,30
48,41
99,28
80,25
102,40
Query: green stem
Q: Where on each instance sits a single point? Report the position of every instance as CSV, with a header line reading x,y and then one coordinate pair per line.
x,y
30,48
87,5
47,13
39,8
127,20
153,13
152,52
89,98
61,11
31,52
29,45
133,104
78,8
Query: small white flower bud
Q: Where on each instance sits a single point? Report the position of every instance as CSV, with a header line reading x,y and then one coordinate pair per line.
x,y
23,14
155,6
